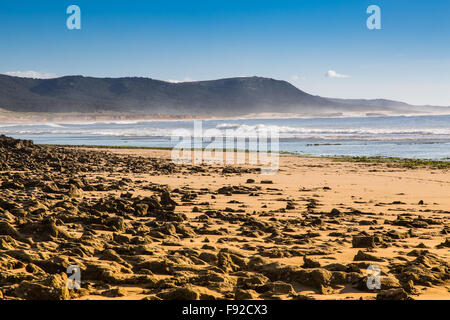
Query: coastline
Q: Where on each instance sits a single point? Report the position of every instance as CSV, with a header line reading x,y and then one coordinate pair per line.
x,y
400,162
10,117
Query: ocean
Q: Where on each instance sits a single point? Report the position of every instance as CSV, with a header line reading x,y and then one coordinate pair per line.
x,y
422,137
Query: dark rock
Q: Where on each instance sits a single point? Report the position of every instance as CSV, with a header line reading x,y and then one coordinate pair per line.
x,y
167,202
241,294
363,256
335,213
363,242
180,294
445,244
114,293
310,263
280,287
290,206
141,209
74,192
52,288
393,294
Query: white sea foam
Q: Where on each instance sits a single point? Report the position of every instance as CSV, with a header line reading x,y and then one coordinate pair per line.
x,y
338,128
244,128
420,137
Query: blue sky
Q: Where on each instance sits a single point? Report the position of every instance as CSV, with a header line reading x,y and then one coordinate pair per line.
x,y
298,41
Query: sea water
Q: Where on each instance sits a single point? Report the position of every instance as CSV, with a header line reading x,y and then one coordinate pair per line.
x,y
425,137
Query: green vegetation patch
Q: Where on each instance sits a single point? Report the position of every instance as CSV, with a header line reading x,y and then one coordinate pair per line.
x,y
399,162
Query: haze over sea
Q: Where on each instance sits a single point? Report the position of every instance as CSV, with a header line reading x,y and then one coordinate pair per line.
x,y
425,137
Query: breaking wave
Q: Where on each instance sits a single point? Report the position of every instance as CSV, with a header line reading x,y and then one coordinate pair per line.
x,y
392,128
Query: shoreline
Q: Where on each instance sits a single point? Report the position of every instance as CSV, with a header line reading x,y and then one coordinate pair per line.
x,y
11,117
402,162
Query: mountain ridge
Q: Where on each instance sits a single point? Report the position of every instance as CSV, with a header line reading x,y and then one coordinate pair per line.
x,y
221,97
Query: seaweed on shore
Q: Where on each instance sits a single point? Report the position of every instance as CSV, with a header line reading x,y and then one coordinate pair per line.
x,y
399,162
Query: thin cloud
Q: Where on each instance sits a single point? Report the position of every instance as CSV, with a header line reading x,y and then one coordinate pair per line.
x,y
31,74
334,74
180,81
297,78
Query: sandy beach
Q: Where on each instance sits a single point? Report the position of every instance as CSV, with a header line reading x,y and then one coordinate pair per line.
x,y
140,227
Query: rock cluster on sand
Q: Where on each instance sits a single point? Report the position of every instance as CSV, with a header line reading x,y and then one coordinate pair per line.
x,y
63,206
